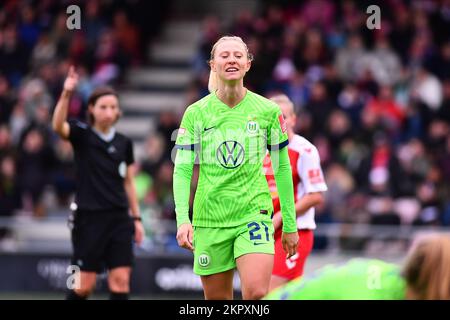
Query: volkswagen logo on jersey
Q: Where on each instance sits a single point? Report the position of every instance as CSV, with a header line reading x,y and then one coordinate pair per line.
x,y
230,154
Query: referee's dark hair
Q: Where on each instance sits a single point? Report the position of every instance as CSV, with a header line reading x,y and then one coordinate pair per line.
x,y
95,95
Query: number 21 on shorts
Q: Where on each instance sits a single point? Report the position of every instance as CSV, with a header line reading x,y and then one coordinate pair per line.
x,y
254,230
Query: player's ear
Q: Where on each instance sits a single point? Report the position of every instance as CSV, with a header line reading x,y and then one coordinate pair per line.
x,y
90,115
212,65
294,118
119,115
248,65
249,61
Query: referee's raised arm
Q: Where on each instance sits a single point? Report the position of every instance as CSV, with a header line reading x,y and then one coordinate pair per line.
x,y
59,121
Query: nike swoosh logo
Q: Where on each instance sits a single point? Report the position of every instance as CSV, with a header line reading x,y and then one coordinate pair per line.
x,y
206,129
258,243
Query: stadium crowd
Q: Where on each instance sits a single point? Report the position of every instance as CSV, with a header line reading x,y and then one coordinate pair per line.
x,y
376,103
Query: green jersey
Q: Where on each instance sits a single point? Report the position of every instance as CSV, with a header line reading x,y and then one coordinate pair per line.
x,y
231,144
359,279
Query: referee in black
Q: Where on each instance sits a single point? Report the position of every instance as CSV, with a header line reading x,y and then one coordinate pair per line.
x,y
107,214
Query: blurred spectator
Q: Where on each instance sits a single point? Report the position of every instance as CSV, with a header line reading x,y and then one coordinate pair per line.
x,y
28,29
166,127
338,128
319,106
77,50
261,69
63,177
444,163
13,55
427,90
340,185
6,146
351,102
94,22
442,65
243,26
35,162
298,90
110,59
332,81
430,211
59,35
438,132
319,13
211,31
163,190
445,160
7,100
34,96
380,172
9,193
387,113
402,32
444,111
154,156
384,63
349,60
127,36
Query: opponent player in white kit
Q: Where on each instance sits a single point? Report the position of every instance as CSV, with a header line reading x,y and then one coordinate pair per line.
x,y
309,185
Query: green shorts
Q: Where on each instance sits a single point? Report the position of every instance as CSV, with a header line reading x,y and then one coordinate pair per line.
x,y
216,249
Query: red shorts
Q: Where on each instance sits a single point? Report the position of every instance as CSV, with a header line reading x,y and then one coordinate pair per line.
x,y
293,267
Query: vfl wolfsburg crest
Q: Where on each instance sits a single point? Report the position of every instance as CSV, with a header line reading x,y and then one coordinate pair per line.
x,y
230,154
252,127
204,260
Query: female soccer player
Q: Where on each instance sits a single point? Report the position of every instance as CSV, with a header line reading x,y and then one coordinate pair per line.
x,y
230,131
425,276
309,184
103,230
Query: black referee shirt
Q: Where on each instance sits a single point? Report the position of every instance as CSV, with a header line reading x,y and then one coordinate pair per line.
x,y
101,168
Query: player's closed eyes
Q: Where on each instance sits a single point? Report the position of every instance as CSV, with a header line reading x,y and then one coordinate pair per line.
x,y
224,56
103,107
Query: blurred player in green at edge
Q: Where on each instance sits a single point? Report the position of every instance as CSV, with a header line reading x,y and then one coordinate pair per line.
x,y
230,131
425,276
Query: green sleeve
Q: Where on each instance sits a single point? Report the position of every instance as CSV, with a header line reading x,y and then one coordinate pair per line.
x,y
182,174
283,177
277,141
277,135
186,143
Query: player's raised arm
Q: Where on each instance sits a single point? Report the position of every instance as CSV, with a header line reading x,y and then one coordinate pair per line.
x,y
59,121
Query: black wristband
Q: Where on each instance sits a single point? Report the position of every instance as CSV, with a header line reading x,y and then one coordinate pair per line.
x,y
136,218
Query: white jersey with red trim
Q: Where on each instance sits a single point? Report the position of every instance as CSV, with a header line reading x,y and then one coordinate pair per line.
x,y
307,177
311,177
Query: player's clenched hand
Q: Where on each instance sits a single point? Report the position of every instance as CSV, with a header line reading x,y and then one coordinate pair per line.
x,y
71,81
290,242
185,235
